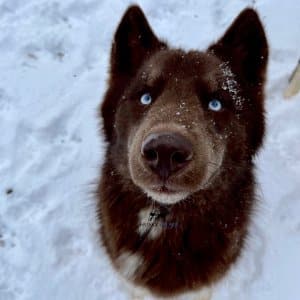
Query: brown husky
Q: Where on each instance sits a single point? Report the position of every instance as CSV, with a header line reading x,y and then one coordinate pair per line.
x,y
177,188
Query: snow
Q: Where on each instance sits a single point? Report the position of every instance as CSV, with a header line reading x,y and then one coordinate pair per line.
x,y
231,85
53,62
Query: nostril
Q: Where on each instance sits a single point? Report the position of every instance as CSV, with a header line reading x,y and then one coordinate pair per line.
x,y
178,157
150,155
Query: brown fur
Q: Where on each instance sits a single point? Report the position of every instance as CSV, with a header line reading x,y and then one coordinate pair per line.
x,y
202,235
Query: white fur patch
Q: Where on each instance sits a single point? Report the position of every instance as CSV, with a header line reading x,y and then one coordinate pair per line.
x,y
128,263
165,198
148,223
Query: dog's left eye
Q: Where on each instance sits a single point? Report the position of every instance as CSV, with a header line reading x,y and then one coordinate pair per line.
x,y
215,105
146,99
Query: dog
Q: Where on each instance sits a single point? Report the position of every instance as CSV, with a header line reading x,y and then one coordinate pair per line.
x,y
177,187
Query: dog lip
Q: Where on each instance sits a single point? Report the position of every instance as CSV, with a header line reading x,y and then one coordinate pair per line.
x,y
164,189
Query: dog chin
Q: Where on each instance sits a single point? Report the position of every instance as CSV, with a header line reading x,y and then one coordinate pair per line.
x,y
165,197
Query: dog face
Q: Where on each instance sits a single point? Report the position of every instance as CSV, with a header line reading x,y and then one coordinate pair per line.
x,y
176,120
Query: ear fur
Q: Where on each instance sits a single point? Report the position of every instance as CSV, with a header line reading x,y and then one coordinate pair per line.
x,y
134,42
245,46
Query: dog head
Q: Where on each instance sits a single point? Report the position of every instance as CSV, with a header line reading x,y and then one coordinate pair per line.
x,y
175,120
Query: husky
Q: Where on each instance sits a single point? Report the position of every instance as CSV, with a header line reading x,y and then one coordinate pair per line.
x,y
177,188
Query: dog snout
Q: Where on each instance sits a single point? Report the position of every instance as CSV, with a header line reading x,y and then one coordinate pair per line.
x,y
166,153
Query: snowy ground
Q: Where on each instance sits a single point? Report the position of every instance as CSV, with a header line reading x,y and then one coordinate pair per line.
x,y
53,66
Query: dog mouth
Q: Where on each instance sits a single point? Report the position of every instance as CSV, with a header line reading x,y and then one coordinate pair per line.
x,y
168,167
164,190
165,194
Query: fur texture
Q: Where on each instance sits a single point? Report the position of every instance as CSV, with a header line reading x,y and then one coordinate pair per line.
x,y
180,233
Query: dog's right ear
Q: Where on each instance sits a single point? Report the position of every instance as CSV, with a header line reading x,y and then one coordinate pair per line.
x,y
134,41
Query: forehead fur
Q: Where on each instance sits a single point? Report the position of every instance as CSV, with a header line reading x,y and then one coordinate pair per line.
x,y
175,65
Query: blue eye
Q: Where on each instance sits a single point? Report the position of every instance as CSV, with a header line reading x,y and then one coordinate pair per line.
x,y
215,105
146,99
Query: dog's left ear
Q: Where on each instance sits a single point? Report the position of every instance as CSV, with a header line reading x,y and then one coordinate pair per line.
x,y
244,46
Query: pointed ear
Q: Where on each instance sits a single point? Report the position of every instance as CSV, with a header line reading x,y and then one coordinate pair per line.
x,y
134,41
245,46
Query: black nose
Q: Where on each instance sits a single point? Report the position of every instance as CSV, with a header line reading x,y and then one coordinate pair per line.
x,y
166,153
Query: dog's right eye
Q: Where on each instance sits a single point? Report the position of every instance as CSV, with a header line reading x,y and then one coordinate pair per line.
x,y
146,99
215,105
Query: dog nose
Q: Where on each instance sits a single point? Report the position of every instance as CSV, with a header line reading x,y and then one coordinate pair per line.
x,y
166,153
